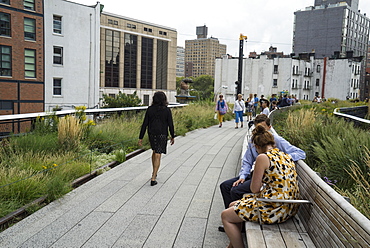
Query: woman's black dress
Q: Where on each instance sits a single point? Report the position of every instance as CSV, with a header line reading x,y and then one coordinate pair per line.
x,y
158,119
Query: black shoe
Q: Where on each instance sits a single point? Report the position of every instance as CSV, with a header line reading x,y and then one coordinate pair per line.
x,y
222,229
152,183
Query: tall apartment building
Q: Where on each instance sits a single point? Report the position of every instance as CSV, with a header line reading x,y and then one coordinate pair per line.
x,y
72,55
201,53
333,28
180,62
137,56
22,57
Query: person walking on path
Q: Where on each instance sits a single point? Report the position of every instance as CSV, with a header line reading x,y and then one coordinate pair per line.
x,y
255,105
249,104
158,120
274,169
234,188
239,109
221,109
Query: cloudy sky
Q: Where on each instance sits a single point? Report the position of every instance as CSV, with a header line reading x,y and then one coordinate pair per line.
x,y
265,23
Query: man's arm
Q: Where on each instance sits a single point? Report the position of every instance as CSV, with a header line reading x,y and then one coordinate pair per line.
x,y
248,160
286,147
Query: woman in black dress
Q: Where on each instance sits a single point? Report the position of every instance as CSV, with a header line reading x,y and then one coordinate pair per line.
x,y
158,119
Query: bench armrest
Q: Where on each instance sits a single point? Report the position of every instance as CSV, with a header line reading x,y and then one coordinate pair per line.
x,y
282,201
275,200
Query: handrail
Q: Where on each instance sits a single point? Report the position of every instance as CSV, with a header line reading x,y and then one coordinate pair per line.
x,y
72,111
355,118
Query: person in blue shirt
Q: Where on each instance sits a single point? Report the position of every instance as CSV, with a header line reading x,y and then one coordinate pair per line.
x,y
255,105
234,188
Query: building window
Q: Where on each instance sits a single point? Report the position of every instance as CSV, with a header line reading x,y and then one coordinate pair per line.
x,y
58,56
29,29
147,63
5,1
5,24
274,83
148,30
5,61
129,25
146,100
115,22
29,63
276,67
57,86
29,4
130,66
110,21
112,45
162,64
5,105
318,68
57,24
317,82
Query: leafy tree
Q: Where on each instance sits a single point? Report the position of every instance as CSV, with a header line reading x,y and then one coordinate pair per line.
x,y
202,86
121,100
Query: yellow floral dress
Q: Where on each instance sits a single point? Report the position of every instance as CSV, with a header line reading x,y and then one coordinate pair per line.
x,y
281,183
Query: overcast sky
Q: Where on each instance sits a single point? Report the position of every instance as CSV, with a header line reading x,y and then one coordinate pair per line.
x,y
264,22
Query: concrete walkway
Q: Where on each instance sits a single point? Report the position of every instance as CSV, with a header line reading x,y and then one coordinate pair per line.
x,y
120,209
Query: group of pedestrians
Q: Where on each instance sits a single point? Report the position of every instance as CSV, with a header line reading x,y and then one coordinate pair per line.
x,y
250,107
267,170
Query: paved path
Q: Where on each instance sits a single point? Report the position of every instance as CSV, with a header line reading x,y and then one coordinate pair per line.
x,y
120,209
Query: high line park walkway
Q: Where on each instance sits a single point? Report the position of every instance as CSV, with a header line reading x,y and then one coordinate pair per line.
x,y
120,209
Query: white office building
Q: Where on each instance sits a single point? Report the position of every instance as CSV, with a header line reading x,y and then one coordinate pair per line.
x,y
72,54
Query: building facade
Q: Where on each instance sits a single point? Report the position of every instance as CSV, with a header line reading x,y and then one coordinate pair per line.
x,y
303,76
180,62
333,28
137,56
200,54
22,57
72,55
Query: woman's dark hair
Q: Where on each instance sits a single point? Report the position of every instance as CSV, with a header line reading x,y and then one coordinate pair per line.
x,y
159,99
261,137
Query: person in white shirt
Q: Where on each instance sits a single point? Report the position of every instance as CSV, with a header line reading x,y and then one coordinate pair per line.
x,y
265,106
239,109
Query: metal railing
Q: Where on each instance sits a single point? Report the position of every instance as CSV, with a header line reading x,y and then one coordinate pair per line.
x,y
24,123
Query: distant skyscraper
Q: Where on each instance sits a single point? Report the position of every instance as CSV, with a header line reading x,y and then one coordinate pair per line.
x,y
332,28
180,62
201,53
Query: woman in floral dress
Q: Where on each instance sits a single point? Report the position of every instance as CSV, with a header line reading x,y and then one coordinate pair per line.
x,y
274,169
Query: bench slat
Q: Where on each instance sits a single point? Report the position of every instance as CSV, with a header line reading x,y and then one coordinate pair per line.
x,y
288,226
273,239
307,240
293,240
255,238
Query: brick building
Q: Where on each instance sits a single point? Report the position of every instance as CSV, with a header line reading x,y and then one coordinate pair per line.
x,y
22,57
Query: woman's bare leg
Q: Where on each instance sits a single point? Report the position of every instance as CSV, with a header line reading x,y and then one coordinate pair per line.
x,y
156,162
233,224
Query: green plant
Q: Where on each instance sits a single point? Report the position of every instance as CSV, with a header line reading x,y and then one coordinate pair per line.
x,y
121,100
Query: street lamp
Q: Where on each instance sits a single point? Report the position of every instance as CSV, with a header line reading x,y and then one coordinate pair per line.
x,y
218,91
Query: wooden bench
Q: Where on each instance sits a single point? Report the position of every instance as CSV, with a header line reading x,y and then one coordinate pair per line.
x,y
329,221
